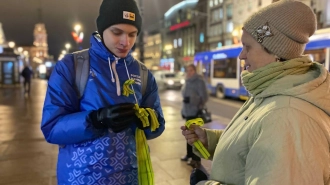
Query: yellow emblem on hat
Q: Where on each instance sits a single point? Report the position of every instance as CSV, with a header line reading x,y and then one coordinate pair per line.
x,y
129,15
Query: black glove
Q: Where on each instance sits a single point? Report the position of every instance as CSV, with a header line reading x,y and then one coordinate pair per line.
x,y
116,117
139,123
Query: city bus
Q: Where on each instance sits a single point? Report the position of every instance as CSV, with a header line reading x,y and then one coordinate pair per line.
x,y
221,68
318,47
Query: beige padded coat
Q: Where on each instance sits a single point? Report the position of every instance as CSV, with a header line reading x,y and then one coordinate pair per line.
x,y
279,137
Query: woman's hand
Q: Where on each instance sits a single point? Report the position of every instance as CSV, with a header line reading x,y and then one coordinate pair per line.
x,y
195,133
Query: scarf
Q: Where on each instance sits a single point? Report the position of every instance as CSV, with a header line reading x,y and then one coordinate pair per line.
x,y
258,80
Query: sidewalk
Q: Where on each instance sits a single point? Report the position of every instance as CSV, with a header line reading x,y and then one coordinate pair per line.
x,y
26,158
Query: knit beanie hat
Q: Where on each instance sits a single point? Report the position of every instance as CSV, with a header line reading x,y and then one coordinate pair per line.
x,y
283,28
118,12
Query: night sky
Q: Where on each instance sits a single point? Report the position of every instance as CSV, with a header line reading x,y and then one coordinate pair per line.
x,y
18,18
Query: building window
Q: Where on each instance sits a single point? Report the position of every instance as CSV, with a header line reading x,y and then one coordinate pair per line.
x,y
211,3
189,15
201,37
192,52
215,16
221,13
229,10
219,44
228,42
215,2
220,29
230,26
175,43
220,1
188,50
178,20
259,2
179,42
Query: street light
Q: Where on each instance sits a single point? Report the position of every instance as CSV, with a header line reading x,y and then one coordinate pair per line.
x,y
11,44
77,28
67,47
77,34
20,49
26,53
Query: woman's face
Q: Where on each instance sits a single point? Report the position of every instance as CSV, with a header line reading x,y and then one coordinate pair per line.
x,y
190,71
120,38
254,54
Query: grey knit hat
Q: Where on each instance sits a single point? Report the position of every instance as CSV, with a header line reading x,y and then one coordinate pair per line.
x,y
283,28
118,12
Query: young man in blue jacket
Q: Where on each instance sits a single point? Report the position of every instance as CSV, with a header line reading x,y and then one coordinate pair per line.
x,y
96,132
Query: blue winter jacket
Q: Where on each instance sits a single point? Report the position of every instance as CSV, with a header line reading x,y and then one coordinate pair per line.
x,y
87,155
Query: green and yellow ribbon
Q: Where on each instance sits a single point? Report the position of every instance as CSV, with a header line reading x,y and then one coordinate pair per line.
x,y
145,171
198,144
126,87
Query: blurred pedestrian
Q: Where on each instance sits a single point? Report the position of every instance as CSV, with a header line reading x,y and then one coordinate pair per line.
x,y
281,134
195,96
27,75
49,72
97,133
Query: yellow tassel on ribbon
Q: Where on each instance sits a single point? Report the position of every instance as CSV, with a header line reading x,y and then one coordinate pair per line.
x,y
126,87
198,144
145,171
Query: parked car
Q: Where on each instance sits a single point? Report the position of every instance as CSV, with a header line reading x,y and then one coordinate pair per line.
x,y
168,80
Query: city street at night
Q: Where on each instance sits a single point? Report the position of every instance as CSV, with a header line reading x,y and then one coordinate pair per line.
x,y
26,158
73,71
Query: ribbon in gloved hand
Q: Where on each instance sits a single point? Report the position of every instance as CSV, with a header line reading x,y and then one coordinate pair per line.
x,y
126,89
198,144
145,171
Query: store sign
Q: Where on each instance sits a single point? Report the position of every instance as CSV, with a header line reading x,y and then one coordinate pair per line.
x,y
187,59
180,25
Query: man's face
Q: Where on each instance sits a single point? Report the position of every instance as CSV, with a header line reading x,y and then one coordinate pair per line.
x,y
120,38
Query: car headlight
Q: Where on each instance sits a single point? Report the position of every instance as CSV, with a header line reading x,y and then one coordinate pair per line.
x,y
182,81
170,82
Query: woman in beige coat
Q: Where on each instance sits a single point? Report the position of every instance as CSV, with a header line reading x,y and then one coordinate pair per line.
x,y
281,135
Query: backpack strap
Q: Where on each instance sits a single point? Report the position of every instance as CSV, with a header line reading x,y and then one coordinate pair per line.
x,y
81,63
144,77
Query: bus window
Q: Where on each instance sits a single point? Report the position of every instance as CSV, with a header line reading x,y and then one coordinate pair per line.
x,y
206,71
317,55
242,62
225,68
